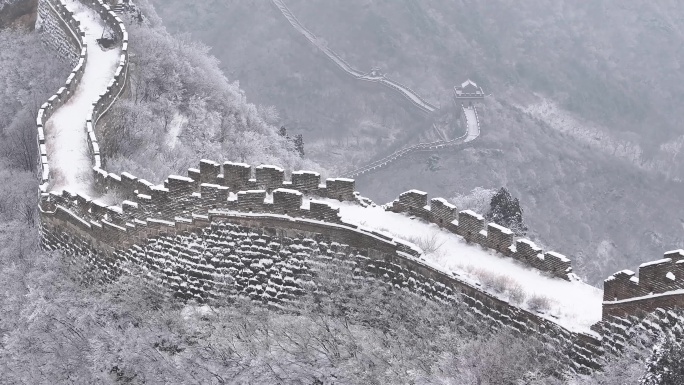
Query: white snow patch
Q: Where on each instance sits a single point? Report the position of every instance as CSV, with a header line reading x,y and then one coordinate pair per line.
x,y
177,123
575,304
563,121
657,262
473,125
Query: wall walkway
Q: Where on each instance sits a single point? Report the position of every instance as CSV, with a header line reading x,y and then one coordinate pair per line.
x,y
66,133
472,133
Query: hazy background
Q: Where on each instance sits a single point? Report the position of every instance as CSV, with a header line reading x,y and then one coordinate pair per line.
x,y
582,123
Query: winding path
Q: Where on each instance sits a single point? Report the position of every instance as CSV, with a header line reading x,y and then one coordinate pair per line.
x,y
66,135
473,122
472,132
404,90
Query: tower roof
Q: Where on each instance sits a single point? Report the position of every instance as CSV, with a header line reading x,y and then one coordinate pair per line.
x,y
467,82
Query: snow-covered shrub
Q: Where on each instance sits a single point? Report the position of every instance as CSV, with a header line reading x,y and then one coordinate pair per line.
x,y
182,108
498,283
428,243
516,293
478,200
539,303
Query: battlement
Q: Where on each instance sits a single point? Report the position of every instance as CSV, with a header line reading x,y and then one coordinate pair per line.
x,y
115,87
660,284
229,176
471,226
211,187
71,27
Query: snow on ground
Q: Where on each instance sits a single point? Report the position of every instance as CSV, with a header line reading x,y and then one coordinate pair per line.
x,y
473,127
177,125
563,121
574,305
67,146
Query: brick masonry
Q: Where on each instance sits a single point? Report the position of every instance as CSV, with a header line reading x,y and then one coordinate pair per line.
x,y
270,258
659,285
57,30
471,226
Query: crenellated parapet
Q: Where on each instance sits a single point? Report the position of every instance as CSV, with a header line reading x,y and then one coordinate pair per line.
x,y
70,26
660,284
117,85
473,228
229,176
211,187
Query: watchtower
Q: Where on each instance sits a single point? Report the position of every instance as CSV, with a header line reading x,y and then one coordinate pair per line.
x,y
468,93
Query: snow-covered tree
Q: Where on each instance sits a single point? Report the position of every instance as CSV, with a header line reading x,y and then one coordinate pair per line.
x,y
478,200
666,365
505,210
299,144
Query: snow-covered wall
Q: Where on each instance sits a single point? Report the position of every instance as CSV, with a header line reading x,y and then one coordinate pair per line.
x,y
154,230
97,123
660,285
60,30
471,226
401,89
219,249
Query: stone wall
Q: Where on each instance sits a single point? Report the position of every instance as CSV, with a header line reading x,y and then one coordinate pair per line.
x,y
60,30
229,176
471,226
231,229
620,331
271,258
660,284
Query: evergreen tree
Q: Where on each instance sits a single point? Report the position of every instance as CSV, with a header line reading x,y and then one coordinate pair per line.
x,y
299,144
506,211
282,131
433,162
666,365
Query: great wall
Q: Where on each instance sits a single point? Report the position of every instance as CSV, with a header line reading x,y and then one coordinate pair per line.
x,y
232,229
472,121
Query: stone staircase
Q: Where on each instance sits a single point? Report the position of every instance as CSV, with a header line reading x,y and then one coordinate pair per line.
x,y
119,8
